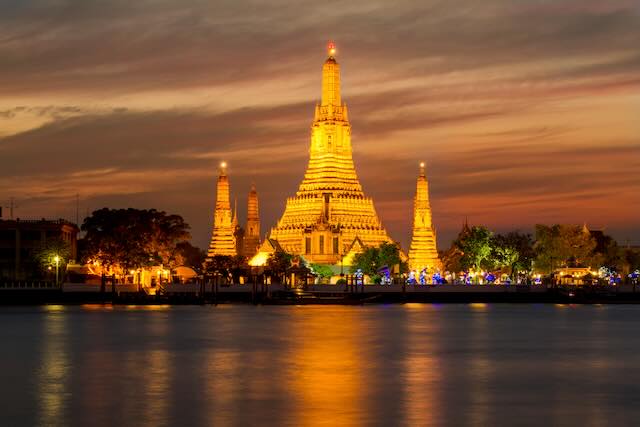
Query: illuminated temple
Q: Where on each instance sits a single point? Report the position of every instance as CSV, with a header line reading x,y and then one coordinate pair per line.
x,y
251,238
423,253
329,215
223,238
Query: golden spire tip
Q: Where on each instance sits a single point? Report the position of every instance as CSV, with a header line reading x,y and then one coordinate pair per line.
x,y
331,48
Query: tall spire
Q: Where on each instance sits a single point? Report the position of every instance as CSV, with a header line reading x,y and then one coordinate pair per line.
x,y
234,221
423,252
331,79
252,231
222,238
330,210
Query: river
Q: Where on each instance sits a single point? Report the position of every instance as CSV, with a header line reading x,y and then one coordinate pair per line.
x,y
386,365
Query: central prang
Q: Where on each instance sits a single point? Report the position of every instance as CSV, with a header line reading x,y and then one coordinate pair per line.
x,y
329,219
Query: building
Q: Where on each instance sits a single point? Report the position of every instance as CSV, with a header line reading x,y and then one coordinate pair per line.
x,y
20,240
330,210
423,253
223,237
251,238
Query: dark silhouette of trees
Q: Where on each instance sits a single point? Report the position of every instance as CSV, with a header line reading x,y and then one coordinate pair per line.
x,y
277,265
126,239
190,256
45,255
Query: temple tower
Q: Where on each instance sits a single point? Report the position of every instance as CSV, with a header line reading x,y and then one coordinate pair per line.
x,y
330,210
252,229
423,252
223,241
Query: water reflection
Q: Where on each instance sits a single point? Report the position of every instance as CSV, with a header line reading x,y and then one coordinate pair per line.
x,y
311,366
326,359
55,368
479,367
422,367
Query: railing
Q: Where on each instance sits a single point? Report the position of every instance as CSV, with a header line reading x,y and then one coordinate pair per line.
x,y
25,284
60,221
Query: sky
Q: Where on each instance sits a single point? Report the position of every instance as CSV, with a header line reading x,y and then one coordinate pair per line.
x,y
525,111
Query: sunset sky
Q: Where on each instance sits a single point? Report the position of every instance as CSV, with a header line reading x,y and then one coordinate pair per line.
x,y
525,111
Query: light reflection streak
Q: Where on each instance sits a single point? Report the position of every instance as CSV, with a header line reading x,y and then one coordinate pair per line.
x,y
55,369
480,368
327,369
422,369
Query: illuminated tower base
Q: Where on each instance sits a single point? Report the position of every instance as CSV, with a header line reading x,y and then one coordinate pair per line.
x,y
223,240
330,210
423,253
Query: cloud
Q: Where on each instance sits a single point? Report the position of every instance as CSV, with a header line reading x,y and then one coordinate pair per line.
x,y
523,110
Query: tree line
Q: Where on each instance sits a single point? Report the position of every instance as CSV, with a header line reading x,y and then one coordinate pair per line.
x,y
552,247
127,239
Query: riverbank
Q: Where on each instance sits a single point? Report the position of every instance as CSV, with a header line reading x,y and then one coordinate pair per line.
x,y
316,294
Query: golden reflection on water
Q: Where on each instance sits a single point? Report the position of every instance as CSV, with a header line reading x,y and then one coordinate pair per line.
x,y
150,307
155,395
55,368
422,368
223,384
327,363
97,307
480,368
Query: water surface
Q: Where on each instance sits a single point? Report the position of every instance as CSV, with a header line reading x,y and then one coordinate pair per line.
x,y
236,365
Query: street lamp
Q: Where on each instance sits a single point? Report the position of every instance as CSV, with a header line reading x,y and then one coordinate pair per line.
x,y
57,261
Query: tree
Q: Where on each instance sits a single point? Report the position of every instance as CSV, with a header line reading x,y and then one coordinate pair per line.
x,y
190,256
476,247
278,263
513,251
563,246
372,258
323,271
219,265
452,257
124,239
238,267
46,254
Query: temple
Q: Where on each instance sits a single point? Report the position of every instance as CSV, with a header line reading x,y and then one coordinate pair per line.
x,y
423,253
251,238
329,213
223,238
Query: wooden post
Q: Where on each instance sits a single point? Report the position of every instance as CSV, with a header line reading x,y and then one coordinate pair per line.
x,y
215,289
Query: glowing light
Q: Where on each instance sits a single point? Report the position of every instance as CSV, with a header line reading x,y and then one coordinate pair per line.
x,y
223,165
259,260
421,164
331,48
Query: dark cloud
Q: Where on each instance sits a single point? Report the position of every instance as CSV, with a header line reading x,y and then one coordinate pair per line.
x,y
116,45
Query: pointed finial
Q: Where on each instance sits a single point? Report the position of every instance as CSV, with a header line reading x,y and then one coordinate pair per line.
x,y
331,49
234,220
